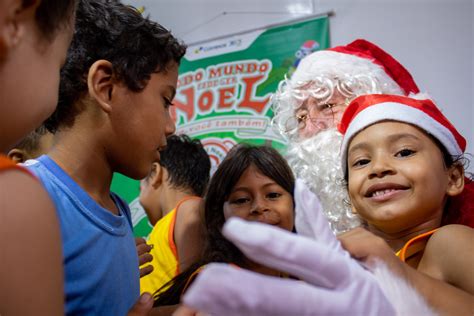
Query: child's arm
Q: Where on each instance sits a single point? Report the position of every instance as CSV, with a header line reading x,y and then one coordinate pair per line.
x,y
449,256
188,232
445,298
31,259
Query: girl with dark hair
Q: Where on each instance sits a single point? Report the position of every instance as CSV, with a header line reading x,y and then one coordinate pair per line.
x,y
253,183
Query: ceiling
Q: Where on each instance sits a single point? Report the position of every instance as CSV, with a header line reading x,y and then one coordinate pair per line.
x,y
198,20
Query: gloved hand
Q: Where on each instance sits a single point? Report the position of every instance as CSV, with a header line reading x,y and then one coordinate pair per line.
x,y
331,282
310,220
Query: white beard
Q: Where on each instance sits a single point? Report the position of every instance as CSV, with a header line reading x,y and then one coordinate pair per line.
x,y
316,161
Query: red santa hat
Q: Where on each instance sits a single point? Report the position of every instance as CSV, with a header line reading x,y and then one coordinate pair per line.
x,y
369,109
360,57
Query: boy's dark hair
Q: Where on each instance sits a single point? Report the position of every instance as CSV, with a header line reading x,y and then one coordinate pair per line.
x,y
52,14
106,29
218,249
31,141
187,163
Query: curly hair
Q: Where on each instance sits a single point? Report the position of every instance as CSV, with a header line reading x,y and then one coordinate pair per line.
x,y
106,29
187,163
218,249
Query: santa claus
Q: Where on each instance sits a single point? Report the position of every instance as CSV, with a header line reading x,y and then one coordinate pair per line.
x,y
309,106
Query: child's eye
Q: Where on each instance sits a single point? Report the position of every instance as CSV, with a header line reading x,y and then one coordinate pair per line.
x,y
239,201
273,195
405,153
361,162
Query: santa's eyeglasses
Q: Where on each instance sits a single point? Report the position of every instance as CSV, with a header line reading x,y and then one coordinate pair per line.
x,y
324,119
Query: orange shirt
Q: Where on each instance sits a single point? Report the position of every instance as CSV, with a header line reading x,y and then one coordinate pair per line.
x,y
414,245
6,163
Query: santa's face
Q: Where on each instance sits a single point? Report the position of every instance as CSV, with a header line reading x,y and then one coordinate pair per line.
x,y
315,115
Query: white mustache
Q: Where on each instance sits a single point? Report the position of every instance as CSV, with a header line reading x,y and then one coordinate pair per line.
x,y
316,161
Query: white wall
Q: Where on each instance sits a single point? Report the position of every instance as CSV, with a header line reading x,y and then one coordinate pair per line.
x,y
433,39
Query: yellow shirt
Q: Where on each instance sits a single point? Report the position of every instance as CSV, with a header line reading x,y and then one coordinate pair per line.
x,y
165,255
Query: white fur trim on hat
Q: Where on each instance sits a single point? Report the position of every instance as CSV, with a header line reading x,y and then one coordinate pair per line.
x,y
401,113
335,64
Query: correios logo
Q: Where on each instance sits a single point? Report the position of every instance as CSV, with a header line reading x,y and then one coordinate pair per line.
x,y
222,88
208,48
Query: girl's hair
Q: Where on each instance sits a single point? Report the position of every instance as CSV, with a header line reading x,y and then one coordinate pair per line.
x,y
452,212
218,249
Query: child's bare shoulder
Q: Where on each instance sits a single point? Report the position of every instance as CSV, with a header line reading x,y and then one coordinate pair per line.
x,y
30,231
451,237
449,256
24,200
190,214
191,208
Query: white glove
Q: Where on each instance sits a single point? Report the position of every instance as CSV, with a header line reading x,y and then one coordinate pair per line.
x,y
310,220
332,283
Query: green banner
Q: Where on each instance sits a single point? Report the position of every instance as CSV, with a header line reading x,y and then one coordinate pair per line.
x,y
224,91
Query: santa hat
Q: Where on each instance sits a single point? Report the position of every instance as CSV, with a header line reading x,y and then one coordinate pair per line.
x,y
360,57
369,109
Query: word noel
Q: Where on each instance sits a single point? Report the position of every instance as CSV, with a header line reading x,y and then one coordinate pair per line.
x,y
221,88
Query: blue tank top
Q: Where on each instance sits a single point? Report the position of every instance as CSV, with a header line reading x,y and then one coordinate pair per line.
x,y
100,257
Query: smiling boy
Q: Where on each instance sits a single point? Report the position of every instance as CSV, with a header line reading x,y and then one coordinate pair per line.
x,y
116,89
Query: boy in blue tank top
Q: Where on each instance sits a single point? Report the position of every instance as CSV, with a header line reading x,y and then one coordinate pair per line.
x,y
116,88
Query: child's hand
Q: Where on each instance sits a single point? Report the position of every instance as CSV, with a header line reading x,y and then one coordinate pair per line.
x,y
144,256
142,306
367,247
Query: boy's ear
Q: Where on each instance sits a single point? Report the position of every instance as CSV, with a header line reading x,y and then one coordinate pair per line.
x,y
157,176
455,179
17,155
101,83
15,15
